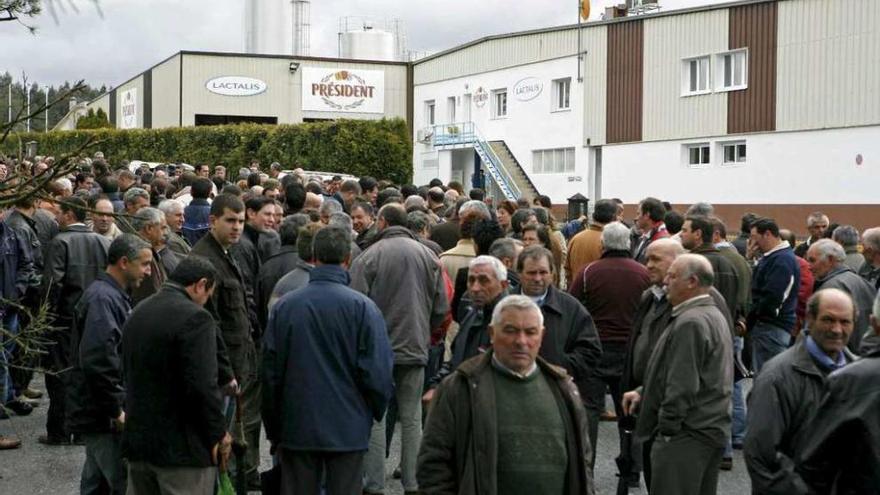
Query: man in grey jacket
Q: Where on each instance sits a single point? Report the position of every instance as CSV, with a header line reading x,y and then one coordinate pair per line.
x,y
685,402
404,278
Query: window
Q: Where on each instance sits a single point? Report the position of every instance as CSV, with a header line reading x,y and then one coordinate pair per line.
x,y
734,71
562,94
553,161
733,153
429,112
499,103
695,76
698,154
450,109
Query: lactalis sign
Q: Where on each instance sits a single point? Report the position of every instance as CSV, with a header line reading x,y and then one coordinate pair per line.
x,y
343,90
236,86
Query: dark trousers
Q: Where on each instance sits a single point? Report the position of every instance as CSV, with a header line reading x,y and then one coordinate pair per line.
x,y
58,359
303,471
104,471
684,465
606,378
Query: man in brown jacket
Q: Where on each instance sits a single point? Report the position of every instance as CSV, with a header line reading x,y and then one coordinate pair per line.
x,y
586,246
530,421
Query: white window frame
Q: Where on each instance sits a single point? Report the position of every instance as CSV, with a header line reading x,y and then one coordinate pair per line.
x,y
561,95
540,161
703,147
430,112
721,65
450,109
686,65
740,153
499,110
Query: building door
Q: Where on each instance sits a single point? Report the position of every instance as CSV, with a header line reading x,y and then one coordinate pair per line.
x,y
202,119
466,108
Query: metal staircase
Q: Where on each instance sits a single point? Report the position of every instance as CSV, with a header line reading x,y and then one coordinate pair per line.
x,y
465,134
515,170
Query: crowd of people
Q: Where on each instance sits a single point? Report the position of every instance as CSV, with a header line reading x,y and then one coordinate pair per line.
x,y
189,312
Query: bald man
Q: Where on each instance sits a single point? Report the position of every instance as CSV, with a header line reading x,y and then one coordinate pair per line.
x,y
685,400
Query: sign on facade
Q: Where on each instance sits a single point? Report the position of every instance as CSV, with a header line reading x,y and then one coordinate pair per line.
x,y
236,86
129,109
481,97
527,89
343,90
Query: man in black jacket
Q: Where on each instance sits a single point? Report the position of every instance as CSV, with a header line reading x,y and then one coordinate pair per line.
x,y
696,237
76,257
175,430
96,399
280,263
231,305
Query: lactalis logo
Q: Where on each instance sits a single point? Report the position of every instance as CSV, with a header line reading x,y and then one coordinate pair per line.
x,y
236,86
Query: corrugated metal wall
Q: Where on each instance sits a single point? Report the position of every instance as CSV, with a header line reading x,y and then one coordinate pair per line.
x,y
595,69
497,54
828,64
624,91
669,40
754,109
166,93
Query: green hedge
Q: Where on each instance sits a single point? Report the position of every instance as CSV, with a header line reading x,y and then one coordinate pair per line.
x,y
380,148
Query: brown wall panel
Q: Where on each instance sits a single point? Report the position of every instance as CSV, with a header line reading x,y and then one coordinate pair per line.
x,y
624,84
754,109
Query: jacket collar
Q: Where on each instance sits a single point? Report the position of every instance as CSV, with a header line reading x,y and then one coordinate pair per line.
x,y
705,248
395,231
77,227
177,289
804,363
27,218
779,247
552,300
199,202
464,247
107,278
473,367
284,251
329,273
616,253
694,302
841,268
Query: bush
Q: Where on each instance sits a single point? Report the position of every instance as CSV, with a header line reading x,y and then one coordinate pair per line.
x,y
93,120
379,148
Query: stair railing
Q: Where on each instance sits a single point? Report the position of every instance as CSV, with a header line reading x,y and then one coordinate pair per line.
x,y
466,133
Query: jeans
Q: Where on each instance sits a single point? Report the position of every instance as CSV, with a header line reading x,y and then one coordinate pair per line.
x,y
738,426
104,470
767,341
7,347
408,386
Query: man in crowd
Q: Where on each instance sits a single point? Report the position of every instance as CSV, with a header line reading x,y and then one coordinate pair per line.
x,y
299,276
196,222
741,243
231,308
871,250
685,401
404,278
827,261
175,432
507,250
173,210
103,220
96,400
788,390
522,432
610,289
75,259
586,246
464,251
325,343
348,193
448,233
363,223
570,339
149,223
328,207
369,189
839,455
280,263
848,237
134,199
650,224
775,283
817,224
696,237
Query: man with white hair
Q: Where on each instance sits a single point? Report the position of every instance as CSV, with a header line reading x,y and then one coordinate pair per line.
x,y
871,251
840,453
507,421
150,224
173,210
827,259
610,288
685,401
817,224
848,237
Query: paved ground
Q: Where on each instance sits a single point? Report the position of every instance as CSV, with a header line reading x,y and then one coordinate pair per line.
x,y
37,469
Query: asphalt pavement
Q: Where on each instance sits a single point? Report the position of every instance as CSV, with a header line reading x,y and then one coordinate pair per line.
x,y
37,469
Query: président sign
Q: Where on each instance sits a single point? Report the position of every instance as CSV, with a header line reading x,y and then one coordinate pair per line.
x,y
343,90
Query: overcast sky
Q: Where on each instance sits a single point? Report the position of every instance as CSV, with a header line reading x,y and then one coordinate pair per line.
x,y
134,35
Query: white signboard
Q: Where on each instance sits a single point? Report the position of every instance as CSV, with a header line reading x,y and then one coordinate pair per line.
x,y
527,89
236,86
343,90
129,109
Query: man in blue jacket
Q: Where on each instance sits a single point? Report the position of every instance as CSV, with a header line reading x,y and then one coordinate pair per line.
x,y
327,374
775,285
